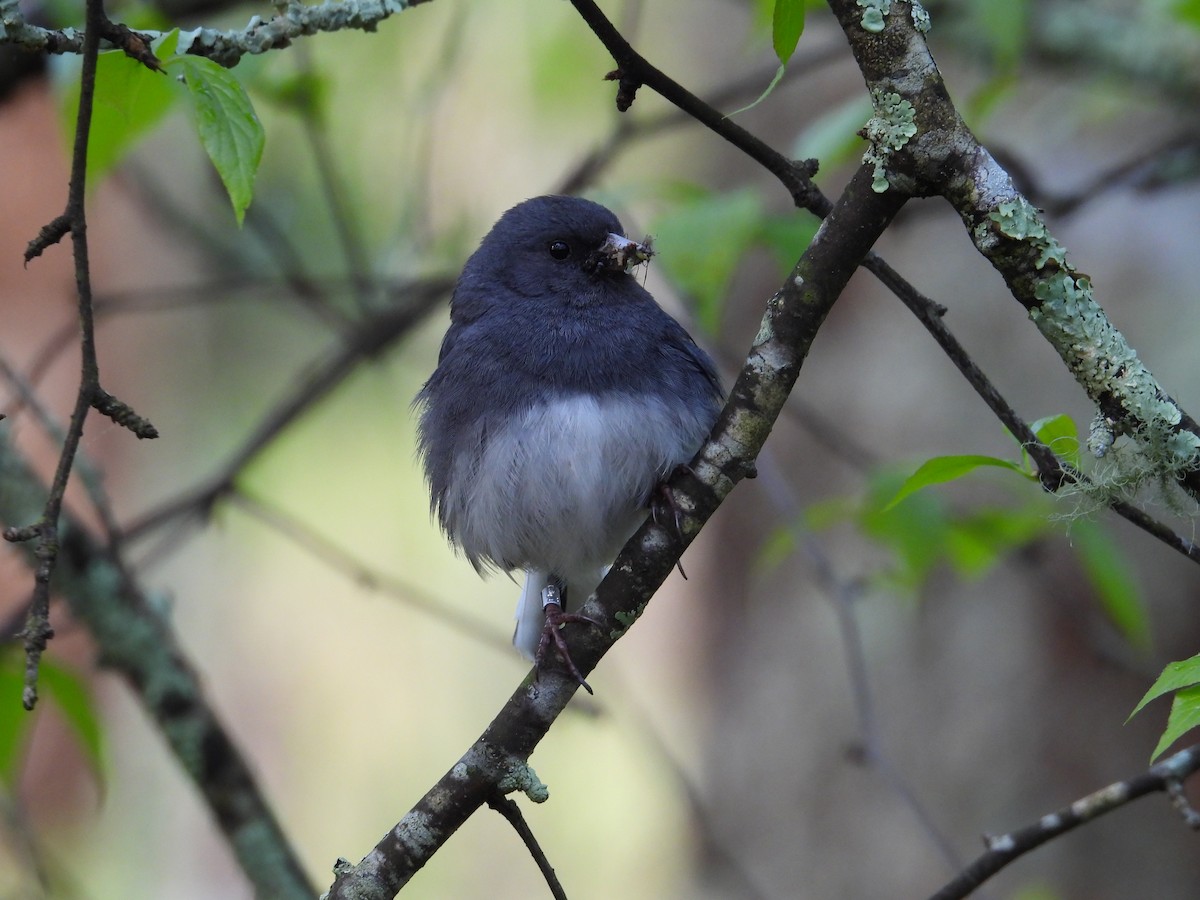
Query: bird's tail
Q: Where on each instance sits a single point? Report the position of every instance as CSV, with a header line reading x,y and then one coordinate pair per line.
x,y
530,620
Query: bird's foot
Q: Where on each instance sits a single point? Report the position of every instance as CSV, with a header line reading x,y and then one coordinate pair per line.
x,y
555,619
662,502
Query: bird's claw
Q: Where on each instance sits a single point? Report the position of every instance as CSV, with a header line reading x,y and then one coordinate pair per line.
x,y
662,498
555,617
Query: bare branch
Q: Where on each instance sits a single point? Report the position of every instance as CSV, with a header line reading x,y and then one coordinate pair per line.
x,y
1003,849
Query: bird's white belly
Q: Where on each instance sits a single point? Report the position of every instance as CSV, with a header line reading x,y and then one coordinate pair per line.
x,y
564,486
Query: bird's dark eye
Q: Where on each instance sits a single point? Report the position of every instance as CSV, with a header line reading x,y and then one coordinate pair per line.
x,y
559,249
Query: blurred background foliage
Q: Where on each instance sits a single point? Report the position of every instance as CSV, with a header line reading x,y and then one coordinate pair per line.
x,y
841,696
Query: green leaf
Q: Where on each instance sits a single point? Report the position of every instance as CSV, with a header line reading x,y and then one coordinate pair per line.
x,y
947,468
1006,26
787,236
775,79
832,137
229,129
977,541
700,244
14,719
915,531
74,700
787,24
923,532
1060,435
1174,677
56,685
1116,588
166,46
1185,715
129,101
1187,11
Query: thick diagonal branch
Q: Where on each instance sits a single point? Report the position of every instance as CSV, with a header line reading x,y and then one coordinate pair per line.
x,y
498,760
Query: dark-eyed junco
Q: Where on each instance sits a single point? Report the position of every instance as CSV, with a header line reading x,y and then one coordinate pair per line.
x,y
563,396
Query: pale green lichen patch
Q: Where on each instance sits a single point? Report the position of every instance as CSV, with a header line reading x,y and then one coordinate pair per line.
x,y
1103,362
893,124
519,776
920,18
1019,220
626,619
418,830
874,12
1095,351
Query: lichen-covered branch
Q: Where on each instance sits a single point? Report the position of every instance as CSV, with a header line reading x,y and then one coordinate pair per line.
x,y
225,47
1061,304
920,146
136,640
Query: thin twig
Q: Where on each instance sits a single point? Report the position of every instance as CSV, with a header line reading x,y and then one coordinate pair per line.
x,y
634,70
90,476
314,125
1003,849
512,814
588,169
342,561
842,595
37,627
369,339
1053,472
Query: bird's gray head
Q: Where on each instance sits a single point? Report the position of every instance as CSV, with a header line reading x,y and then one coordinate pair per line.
x,y
558,246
